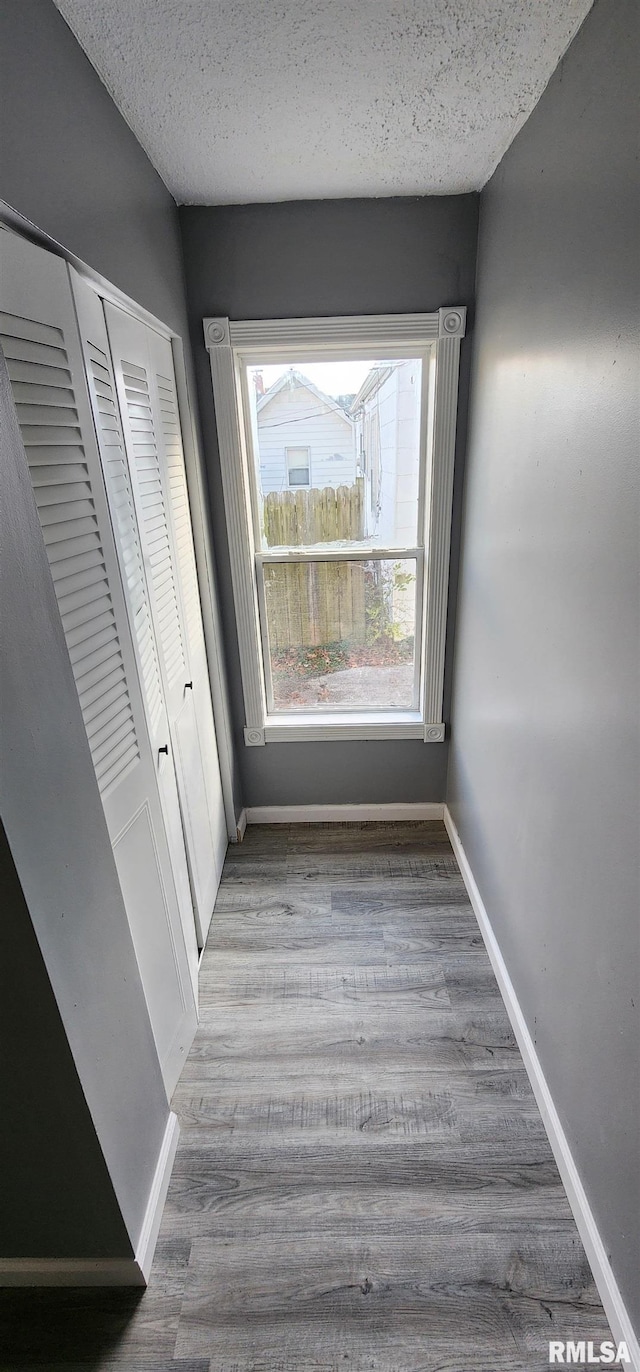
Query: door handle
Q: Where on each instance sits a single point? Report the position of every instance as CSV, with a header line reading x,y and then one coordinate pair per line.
x,y
164,749
188,685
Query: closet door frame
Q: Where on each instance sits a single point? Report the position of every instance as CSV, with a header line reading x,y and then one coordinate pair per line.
x,y
209,599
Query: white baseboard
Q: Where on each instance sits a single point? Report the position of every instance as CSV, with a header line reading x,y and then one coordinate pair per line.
x,y
241,826
610,1295
342,814
133,1271
157,1197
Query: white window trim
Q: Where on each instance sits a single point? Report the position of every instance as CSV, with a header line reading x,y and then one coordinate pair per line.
x,y
319,339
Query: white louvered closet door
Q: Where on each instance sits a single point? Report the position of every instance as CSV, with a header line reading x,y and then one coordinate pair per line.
x,y
145,378
115,471
39,336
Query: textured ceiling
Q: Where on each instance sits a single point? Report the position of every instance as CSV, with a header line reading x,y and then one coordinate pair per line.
x,y
249,100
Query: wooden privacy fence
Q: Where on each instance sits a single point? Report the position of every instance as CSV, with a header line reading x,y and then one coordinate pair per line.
x,y
313,603
296,518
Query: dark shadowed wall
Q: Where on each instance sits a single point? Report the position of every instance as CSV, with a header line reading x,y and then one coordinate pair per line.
x,y
544,772
324,258
53,1169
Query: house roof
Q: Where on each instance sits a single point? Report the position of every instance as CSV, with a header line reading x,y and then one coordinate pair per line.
x,y
372,383
303,381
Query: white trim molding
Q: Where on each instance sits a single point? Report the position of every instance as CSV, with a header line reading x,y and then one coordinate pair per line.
x,y
157,1197
344,814
133,1271
310,728
452,323
236,502
333,332
209,597
232,345
254,738
610,1294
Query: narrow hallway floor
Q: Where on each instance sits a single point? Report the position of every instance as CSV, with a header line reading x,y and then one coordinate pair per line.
x,y
363,1180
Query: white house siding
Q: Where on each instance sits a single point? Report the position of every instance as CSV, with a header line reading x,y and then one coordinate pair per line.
x,y
296,418
393,410
389,427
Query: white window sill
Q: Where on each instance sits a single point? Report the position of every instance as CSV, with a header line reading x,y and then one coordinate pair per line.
x,y
309,728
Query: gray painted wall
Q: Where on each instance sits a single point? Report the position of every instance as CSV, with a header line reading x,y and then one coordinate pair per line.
x,y
323,258
70,163
544,770
67,881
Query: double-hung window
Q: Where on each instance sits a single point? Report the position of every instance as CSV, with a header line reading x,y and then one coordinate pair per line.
x,y
298,469
337,448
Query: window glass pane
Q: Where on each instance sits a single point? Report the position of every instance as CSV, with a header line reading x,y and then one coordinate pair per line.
x,y
336,447
342,634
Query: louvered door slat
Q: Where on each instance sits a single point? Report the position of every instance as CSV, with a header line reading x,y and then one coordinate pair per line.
x,y
60,491
41,456
32,371
31,331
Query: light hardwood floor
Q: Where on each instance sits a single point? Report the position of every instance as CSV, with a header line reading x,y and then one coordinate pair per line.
x,y
363,1180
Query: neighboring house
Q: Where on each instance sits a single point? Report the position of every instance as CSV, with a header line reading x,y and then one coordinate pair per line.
x,y
387,417
306,439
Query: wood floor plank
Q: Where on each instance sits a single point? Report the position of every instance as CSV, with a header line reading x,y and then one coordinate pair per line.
x,y
363,1181
230,1202
298,1040
491,1289
394,987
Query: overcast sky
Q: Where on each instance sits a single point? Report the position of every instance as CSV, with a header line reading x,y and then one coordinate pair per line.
x,y
334,378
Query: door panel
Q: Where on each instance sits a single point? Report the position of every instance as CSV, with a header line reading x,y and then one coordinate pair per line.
x,y
143,890
143,367
208,876
115,468
39,335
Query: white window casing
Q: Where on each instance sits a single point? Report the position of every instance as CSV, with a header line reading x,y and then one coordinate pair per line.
x,y
234,345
